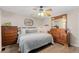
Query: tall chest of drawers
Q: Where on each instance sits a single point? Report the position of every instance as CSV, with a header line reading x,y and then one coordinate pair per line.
x,y
9,35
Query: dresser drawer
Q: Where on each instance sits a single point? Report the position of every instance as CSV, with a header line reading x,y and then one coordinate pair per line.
x,y
4,43
8,35
11,31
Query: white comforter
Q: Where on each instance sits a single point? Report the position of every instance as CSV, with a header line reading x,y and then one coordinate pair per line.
x,y
32,41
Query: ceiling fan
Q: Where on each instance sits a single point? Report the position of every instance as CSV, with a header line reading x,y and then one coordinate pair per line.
x,y
44,11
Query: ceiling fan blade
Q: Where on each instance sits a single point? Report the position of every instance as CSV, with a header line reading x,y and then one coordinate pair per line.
x,y
49,9
48,12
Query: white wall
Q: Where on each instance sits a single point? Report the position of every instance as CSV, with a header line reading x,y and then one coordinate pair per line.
x,y
18,20
73,26
0,30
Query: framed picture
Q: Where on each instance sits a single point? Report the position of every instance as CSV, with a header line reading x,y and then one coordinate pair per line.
x,y
28,22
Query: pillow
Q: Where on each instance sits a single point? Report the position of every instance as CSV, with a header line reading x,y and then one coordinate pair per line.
x,y
42,30
31,31
23,31
28,31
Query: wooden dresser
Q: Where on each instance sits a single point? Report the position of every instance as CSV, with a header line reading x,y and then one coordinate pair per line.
x,y
60,36
9,35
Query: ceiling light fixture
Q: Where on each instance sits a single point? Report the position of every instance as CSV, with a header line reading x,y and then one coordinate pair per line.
x,y
41,11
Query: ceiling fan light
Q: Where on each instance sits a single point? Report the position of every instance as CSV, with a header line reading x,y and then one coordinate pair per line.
x,y
41,14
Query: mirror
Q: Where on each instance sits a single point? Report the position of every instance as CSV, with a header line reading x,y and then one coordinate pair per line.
x,y
59,21
28,22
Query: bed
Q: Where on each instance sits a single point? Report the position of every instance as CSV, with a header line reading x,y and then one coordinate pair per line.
x,y
31,41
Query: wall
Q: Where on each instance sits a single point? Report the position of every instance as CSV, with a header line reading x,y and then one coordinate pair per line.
x,y
0,30
73,25
18,20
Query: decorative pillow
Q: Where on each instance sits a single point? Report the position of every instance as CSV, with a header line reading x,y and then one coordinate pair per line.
x,y
28,31
31,31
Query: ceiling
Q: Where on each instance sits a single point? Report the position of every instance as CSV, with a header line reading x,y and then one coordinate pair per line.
x,y
27,10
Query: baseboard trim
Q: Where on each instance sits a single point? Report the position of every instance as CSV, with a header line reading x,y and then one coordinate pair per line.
x,y
75,45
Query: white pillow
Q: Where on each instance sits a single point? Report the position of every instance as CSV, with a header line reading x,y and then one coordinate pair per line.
x,y
42,30
31,31
27,31
23,31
